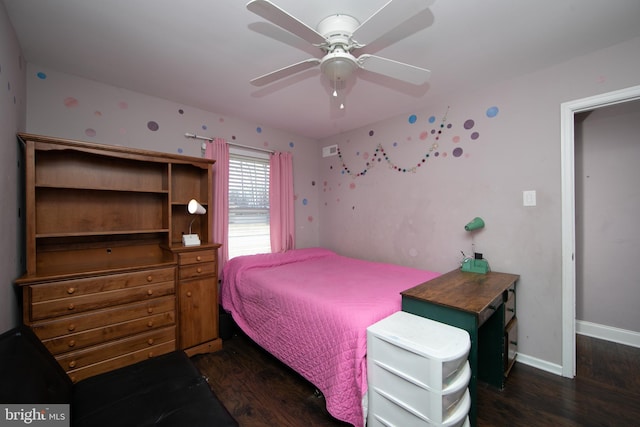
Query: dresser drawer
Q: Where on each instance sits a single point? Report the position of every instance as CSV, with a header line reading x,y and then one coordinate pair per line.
x,y
91,285
100,353
108,333
197,270
195,257
120,361
72,305
82,322
437,406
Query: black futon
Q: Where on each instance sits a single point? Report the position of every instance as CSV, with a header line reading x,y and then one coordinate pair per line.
x,y
163,391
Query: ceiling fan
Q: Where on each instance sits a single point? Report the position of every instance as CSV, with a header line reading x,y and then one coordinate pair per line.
x,y
337,36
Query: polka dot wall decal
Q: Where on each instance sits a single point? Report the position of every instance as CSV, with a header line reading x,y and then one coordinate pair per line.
x,y
432,119
259,129
97,113
291,144
492,111
153,126
457,152
455,139
352,186
424,135
475,135
41,75
469,124
123,105
204,127
181,111
310,218
180,150
413,118
90,132
305,202
70,102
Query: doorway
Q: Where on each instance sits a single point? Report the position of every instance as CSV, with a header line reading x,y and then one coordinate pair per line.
x,y
567,141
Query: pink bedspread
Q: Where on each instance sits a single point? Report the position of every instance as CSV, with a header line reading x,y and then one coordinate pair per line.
x,y
311,308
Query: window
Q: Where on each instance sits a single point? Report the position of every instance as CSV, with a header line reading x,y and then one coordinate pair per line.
x,y
248,203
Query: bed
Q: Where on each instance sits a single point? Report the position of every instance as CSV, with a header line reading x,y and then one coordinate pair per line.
x,y
310,308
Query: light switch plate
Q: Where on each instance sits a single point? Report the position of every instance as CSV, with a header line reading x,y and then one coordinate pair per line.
x,y
529,198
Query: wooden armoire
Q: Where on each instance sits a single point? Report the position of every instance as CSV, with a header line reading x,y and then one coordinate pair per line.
x,y
108,281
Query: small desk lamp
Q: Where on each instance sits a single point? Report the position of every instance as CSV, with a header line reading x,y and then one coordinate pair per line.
x,y
476,264
194,208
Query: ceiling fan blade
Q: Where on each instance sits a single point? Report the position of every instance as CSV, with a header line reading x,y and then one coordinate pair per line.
x,y
397,70
388,17
285,72
275,15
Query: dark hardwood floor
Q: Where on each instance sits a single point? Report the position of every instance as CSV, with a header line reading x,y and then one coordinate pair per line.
x,y
260,391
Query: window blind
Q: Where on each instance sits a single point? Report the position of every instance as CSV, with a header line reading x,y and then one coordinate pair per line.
x,y
248,205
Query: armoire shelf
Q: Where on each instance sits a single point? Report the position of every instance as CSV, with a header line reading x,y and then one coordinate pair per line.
x,y
101,207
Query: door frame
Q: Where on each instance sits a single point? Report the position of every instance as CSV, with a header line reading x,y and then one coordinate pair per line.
x,y
567,154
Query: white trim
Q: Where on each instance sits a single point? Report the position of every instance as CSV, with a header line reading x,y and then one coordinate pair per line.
x,y
608,333
534,362
567,111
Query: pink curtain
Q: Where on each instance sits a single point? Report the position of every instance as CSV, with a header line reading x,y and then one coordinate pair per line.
x,y
281,217
218,150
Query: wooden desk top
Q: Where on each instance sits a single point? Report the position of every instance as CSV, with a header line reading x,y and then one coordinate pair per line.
x,y
461,290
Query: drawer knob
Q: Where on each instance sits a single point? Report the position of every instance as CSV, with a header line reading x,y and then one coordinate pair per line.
x,y
198,258
150,341
72,343
71,290
512,310
71,327
150,323
71,306
189,294
513,342
150,310
199,270
150,292
150,355
72,364
149,278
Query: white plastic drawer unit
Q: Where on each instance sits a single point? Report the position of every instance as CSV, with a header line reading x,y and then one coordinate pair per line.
x,y
418,372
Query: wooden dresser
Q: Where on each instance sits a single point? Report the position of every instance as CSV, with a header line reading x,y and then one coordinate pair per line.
x,y
108,281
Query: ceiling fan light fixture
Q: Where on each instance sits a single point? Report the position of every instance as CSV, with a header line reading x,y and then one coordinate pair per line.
x,y
338,65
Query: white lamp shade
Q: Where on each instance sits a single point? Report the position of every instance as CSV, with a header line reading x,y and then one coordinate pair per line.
x,y
196,208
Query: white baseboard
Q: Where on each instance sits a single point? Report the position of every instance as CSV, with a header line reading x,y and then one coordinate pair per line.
x,y
539,364
620,336
608,333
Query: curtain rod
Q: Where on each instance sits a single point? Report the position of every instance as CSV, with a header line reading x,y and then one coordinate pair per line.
x,y
248,147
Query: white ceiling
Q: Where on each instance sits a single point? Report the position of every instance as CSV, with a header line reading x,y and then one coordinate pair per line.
x,y
202,53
